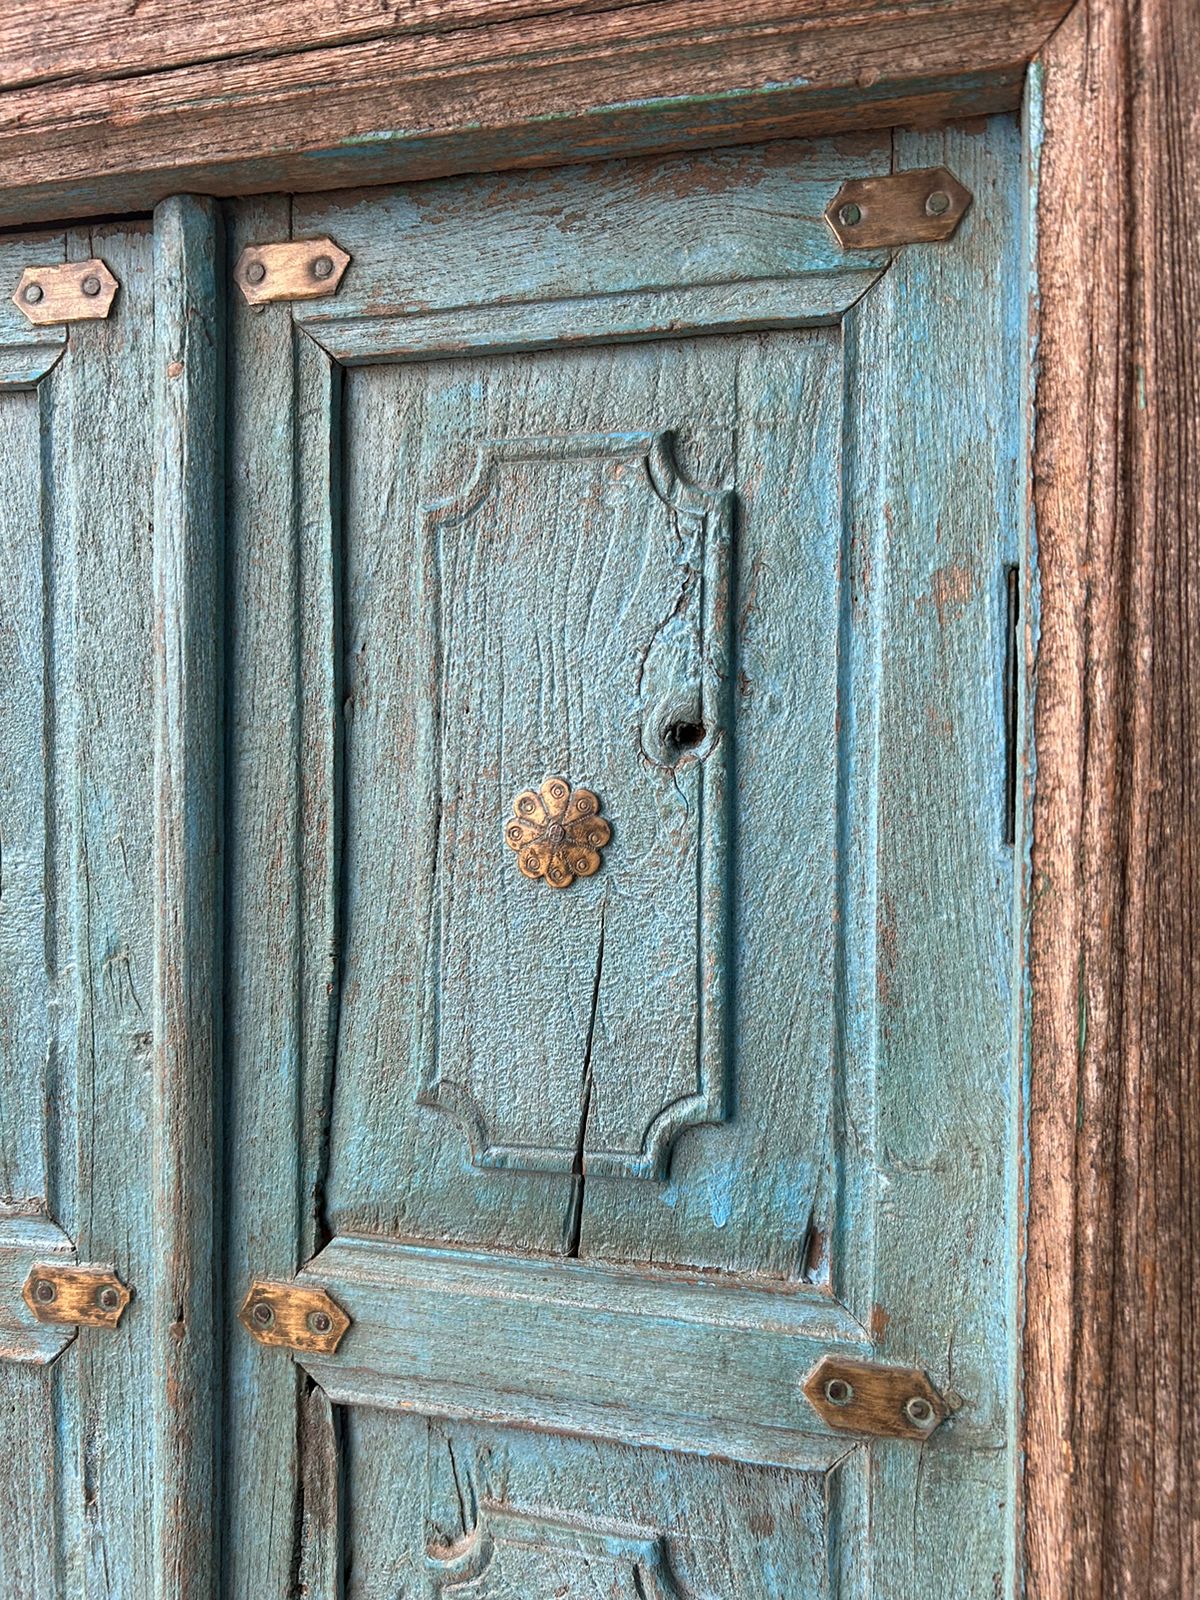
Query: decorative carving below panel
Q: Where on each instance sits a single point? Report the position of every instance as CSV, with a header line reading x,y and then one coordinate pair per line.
x,y
580,611
528,1555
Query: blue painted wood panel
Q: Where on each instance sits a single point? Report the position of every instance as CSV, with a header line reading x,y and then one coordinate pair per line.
x,y
625,474
486,590
108,547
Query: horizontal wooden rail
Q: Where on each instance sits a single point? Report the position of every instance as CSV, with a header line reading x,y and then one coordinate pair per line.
x,y
679,1361
117,107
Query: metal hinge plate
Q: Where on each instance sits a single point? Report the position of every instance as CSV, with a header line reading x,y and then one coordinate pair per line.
x,y
923,206
877,1401
296,269
75,1296
73,291
292,1316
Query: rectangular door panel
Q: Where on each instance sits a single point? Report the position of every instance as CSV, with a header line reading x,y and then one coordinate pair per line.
x,y
539,570
712,527
438,1509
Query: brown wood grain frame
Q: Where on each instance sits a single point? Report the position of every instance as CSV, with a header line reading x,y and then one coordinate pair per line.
x,y
1112,1354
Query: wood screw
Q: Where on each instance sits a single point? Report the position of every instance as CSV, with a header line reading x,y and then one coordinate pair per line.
x,y
938,203
263,1314
850,215
255,272
44,1291
319,1322
107,1298
33,292
919,1411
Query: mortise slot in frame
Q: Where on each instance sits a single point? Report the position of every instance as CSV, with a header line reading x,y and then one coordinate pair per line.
x,y
1012,601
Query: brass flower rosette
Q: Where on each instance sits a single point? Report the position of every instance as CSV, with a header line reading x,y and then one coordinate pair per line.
x,y
557,833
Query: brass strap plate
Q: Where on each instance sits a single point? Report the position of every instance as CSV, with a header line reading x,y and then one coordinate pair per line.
x,y
78,1296
291,1316
881,1402
923,206
73,291
295,269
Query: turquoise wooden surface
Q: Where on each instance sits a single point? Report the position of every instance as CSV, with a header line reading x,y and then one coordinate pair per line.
x,y
484,594
101,827
184,1302
574,461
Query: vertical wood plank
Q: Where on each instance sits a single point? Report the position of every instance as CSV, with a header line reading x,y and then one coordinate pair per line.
x,y
1112,1364
937,483
261,1020
24,846
100,428
186,1001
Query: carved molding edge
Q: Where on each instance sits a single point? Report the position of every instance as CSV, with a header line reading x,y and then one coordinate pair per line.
x,y
710,510
464,1568
25,1241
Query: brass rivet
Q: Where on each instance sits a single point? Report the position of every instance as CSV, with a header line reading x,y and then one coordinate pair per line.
x,y
938,203
262,1313
255,272
32,293
919,1411
107,1298
838,1392
319,1322
322,267
850,215
44,1291
90,287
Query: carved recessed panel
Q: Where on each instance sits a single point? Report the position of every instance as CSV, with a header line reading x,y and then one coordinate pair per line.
x,y
531,1555
575,601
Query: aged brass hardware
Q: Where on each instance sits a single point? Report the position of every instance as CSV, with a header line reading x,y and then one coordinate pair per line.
x,y
884,1402
291,1316
923,206
77,1296
558,834
73,291
296,269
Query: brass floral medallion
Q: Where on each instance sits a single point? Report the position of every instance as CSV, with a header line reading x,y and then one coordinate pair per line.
x,y
558,833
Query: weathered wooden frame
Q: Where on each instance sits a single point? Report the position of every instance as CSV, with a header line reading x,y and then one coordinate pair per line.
x,y
106,110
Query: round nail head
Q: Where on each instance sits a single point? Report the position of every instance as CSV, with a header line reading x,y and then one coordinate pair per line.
x,y
262,1314
919,1411
107,1298
255,272
319,1321
33,292
322,267
44,1291
938,203
838,1392
850,215
90,287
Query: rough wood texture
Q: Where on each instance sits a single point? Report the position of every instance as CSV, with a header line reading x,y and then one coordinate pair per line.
x,y
24,1241
1112,1359
217,103
872,1156
609,1351
186,1001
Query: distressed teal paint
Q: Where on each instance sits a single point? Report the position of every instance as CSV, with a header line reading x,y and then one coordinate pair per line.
x,y
573,458
184,1304
867,418
110,550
